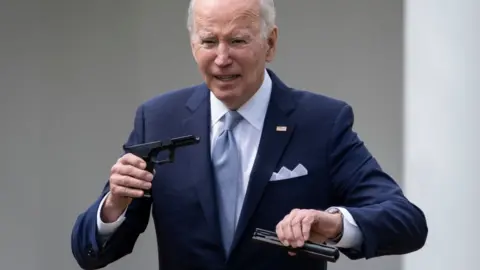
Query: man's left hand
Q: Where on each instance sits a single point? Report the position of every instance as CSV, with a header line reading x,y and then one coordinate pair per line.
x,y
313,225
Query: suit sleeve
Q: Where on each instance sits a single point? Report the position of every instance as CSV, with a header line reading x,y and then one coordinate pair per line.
x,y
88,248
389,222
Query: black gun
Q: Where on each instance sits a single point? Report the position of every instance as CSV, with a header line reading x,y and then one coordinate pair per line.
x,y
149,151
318,251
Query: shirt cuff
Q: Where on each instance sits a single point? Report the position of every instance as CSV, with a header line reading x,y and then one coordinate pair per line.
x,y
352,236
107,229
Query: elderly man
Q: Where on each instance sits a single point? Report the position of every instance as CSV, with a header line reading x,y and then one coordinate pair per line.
x,y
270,157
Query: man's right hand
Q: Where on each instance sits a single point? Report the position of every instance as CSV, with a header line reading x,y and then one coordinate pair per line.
x,y
128,179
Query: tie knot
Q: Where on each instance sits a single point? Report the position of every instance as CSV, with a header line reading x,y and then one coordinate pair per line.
x,y
232,118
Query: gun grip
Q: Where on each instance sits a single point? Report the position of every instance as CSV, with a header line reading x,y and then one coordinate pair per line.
x,y
150,166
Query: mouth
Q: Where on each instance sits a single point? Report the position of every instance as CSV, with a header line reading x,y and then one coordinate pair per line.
x,y
226,78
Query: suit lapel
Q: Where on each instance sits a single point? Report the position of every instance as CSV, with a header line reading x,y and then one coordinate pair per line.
x,y
198,124
276,133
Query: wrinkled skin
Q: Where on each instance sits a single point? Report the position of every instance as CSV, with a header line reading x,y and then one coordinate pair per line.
x,y
229,48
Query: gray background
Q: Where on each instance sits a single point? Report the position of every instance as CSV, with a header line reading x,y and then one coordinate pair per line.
x,y
73,72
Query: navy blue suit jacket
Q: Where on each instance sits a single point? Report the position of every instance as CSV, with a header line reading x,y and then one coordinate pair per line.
x,y
319,135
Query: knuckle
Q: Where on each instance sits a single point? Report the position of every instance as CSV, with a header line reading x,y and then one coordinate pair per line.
x,y
114,168
304,212
121,159
306,225
114,189
128,159
308,219
125,181
116,179
295,221
126,169
113,178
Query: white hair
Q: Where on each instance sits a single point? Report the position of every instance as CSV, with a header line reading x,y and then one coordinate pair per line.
x,y
267,15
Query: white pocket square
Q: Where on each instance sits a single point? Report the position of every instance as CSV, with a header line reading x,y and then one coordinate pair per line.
x,y
285,173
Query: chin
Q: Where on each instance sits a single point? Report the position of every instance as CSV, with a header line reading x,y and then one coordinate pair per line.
x,y
222,93
226,88
227,96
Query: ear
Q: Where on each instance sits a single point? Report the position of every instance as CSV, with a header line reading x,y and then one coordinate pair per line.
x,y
272,44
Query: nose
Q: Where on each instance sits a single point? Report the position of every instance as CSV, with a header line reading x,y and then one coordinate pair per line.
x,y
223,56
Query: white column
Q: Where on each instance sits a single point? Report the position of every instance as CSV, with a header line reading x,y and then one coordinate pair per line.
x,y
442,123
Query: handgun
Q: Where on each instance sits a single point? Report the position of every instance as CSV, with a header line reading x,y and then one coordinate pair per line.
x,y
318,251
149,152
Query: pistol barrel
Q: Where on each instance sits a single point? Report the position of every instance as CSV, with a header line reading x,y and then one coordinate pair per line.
x,y
144,150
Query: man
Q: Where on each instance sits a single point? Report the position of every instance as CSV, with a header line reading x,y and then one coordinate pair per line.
x,y
270,157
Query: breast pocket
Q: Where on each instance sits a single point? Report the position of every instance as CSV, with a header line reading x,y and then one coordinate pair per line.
x,y
291,189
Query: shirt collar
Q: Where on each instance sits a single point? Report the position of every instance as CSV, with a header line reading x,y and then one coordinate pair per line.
x,y
254,110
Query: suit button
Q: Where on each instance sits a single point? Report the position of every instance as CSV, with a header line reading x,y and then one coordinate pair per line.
x,y
90,252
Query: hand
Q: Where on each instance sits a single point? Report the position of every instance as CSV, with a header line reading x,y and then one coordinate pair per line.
x,y
312,225
128,179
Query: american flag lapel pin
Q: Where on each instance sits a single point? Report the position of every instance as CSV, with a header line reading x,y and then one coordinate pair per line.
x,y
281,128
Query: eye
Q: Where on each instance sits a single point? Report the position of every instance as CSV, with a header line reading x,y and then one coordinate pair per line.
x,y
208,42
238,41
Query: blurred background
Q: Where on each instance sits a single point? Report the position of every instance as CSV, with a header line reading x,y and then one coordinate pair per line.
x,y
73,72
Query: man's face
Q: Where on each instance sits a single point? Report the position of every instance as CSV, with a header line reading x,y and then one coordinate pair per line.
x,y
229,49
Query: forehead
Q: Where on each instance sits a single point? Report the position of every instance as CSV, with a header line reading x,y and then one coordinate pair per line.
x,y
226,16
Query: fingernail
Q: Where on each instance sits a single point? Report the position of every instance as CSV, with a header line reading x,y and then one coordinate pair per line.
x,y
285,243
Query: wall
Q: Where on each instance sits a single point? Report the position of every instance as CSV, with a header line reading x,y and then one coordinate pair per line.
x,y
72,73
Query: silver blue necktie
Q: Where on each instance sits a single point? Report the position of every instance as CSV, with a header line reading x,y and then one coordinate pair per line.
x,y
227,166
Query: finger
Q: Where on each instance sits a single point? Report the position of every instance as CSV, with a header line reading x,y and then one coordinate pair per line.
x,y
287,228
280,233
292,253
307,226
132,171
131,159
129,182
283,231
297,228
125,192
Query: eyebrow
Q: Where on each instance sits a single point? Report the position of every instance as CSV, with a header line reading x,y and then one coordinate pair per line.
x,y
204,33
236,34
